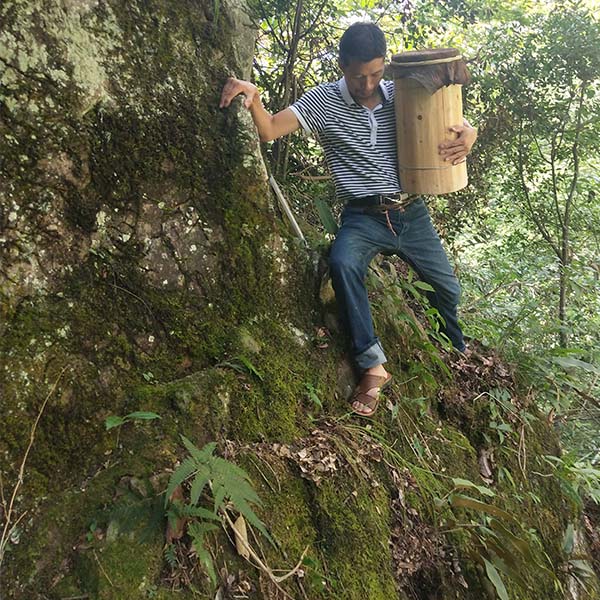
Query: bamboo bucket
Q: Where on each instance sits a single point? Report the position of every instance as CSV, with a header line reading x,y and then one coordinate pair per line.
x,y
423,120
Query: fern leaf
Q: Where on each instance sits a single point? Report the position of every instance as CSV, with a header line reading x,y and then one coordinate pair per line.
x,y
224,466
201,456
244,509
170,555
230,481
247,491
197,532
207,562
200,480
219,494
187,467
198,529
198,511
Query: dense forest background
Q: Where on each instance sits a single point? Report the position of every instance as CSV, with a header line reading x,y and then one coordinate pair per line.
x,y
525,234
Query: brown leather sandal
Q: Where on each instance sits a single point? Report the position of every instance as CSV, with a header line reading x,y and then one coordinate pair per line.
x,y
365,385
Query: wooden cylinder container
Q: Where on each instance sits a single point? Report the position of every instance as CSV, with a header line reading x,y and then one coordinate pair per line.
x,y
423,121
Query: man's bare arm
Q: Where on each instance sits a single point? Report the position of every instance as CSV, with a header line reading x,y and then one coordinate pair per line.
x,y
270,127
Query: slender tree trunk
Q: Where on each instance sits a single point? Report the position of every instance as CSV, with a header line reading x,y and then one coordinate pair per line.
x,y
282,149
565,258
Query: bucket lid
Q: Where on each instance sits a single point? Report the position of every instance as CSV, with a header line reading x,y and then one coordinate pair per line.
x,y
420,56
432,68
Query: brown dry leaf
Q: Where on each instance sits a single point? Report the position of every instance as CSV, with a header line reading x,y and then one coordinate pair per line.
x,y
175,531
241,537
485,462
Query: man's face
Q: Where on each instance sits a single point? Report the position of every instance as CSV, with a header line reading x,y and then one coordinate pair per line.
x,y
363,78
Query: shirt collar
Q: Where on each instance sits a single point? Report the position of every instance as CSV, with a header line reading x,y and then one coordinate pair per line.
x,y
350,100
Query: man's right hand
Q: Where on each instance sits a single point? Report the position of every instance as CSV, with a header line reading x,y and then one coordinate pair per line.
x,y
270,127
234,87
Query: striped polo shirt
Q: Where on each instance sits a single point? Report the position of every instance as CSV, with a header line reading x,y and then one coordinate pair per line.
x,y
359,143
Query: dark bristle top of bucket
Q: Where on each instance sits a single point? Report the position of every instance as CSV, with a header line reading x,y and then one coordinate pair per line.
x,y
424,55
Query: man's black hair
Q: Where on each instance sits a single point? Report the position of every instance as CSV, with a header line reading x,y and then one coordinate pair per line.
x,y
362,42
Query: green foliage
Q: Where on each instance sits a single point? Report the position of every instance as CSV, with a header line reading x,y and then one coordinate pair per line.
x,y
313,395
242,364
499,542
495,578
528,266
227,484
579,478
327,219
141,514
115,421
197,531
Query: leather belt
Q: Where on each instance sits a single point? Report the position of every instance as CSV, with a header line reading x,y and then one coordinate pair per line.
x,y
382,202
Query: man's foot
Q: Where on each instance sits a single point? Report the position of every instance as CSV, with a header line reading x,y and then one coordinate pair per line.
x,y
366,396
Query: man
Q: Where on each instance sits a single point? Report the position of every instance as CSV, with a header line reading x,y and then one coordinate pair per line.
x,y
354,121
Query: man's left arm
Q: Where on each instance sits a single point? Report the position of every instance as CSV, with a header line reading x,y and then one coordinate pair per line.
x,y
455,151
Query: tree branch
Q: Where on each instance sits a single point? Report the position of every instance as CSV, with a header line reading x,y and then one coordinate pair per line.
x,y
538,222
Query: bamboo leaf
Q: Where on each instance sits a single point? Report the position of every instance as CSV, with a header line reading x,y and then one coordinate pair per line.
x,y
327,219
570,362
143,416
465,483
423,286
251,368
241,537
113,421
495,578
468,502
583,568
520,545
569,539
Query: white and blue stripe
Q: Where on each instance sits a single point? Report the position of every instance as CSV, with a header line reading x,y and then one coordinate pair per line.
x,y
359,143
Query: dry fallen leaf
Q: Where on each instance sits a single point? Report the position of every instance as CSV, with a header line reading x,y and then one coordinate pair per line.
x,y
241,537
485,469
175,530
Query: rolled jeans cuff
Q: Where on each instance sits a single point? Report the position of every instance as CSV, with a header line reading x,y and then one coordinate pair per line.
x,y
371,357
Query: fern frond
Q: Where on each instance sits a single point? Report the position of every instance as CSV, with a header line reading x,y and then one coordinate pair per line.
x,y
170,556
175,512
247,491
219,492
224,466
198,511
201,456
197,532
199,529
187,467
207,562
230,481
200,480
246,511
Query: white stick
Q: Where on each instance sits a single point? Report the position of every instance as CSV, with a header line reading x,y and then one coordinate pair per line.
x,y
286,208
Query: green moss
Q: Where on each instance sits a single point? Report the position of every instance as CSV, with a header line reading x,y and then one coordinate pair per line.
x,y
354,524
120,569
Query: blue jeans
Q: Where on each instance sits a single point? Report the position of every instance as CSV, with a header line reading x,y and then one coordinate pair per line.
x,y
361,237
